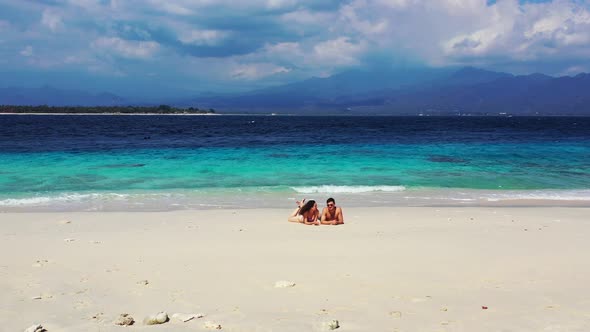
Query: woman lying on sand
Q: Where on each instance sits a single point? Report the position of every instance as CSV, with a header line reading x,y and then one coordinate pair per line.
x,y
307,213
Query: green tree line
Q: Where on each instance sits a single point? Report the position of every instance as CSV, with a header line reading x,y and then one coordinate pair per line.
x,y
162,109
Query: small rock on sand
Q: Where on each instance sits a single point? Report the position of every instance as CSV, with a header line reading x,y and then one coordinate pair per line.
x,y
97,316
40,263
331,325
36,328
186,317
159,318
396,314
124,320
44,296
212,326
284,284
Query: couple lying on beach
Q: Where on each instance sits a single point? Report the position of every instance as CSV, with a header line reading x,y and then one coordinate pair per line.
x,y
308,213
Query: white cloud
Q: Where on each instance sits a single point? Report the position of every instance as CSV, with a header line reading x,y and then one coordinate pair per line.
x,y
294,39
89,4
397,4
188,7
461,7
448,32
476,43
176,8
126,48
516,33
283,52
141,33
255,71
565,25
573,70
350,15
337,52
27,51
51,19
203,37
306,17
185,7
278,4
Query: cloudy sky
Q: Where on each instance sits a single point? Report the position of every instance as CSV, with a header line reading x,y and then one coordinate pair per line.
x,y
168,47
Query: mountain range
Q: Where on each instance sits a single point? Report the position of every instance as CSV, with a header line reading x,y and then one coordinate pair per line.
x,y
426,91
47,95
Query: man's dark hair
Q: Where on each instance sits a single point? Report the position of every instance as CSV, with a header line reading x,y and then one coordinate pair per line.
x,y
330,200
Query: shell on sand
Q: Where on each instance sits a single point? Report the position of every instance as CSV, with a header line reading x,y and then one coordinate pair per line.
x,y
395,314
162,317
124,320
331,325
212,326
186,317
40,263
159,318
284,284
35,328
42,297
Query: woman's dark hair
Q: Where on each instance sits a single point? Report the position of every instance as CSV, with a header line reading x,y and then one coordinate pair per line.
x,y
307,206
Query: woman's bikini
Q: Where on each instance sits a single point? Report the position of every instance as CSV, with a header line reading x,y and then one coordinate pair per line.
x,y
311,217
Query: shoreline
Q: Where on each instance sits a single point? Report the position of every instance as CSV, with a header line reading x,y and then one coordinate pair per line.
x,y
329,114
385,269
265,198
109,114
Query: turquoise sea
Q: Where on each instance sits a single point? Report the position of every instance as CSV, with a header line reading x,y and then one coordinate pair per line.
x,y
185,162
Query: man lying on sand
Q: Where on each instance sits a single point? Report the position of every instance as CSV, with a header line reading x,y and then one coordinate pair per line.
x,y
332,214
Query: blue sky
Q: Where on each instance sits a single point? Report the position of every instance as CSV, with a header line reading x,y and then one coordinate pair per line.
x,y
182,47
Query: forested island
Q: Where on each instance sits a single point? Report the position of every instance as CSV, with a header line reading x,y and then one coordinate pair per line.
x,y
162,109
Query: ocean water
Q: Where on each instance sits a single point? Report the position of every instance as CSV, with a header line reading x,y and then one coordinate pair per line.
x,y
105,162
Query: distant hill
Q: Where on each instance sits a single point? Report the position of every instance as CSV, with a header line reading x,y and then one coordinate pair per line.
x,y
315,92
410,91
421,91
517,95
50,96
471,76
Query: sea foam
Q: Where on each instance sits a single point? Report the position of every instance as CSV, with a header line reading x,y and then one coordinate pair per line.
x,y
551,195
347,189
273,198
61,198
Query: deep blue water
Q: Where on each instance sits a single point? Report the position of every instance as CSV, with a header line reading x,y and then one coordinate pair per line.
x,y
34,133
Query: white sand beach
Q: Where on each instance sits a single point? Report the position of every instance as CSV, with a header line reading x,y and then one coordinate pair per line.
x,y
386,269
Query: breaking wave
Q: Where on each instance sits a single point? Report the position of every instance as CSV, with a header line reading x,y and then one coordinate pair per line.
x,y
347,189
